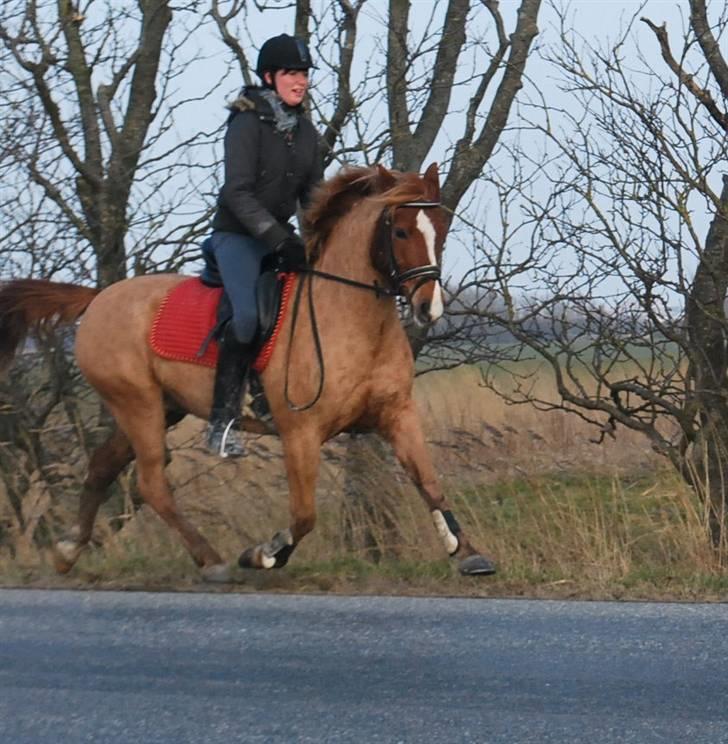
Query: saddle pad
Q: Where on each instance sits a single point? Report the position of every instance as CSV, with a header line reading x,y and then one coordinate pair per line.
x,y
186,317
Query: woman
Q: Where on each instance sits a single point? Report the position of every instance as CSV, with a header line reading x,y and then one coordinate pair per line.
x,y
272,162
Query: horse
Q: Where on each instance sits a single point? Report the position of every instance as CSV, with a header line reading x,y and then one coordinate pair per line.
x,y
371,234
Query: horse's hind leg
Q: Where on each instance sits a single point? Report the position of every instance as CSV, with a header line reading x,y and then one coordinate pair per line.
x,y
302,453
403,430
105,465
143,420
144,423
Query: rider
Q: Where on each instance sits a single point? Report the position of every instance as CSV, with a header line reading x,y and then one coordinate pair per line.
x,y
272,162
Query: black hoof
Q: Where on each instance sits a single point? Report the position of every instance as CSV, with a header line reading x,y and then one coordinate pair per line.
x,y
476,565
283,555
246,559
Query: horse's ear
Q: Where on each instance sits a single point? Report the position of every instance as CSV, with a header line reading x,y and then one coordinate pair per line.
x,y
432,177
386,178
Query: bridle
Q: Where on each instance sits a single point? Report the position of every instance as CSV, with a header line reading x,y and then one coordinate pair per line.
x,y
391,270
396,279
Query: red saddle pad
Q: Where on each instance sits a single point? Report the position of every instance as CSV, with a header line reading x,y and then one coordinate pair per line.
x,y
186,317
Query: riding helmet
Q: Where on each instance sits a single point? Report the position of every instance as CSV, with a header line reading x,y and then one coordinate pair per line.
x,y
283,52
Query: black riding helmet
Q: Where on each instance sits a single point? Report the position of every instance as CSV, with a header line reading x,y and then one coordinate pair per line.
x,y
283,52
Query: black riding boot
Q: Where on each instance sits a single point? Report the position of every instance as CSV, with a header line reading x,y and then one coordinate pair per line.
x,y
230,377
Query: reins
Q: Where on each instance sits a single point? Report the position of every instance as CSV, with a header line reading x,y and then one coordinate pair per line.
x,y
376,288
397,278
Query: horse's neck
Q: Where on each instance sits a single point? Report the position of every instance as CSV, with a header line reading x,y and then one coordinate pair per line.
x,y
348,256
347,252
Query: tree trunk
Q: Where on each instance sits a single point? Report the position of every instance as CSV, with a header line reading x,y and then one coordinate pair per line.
x,y
706,321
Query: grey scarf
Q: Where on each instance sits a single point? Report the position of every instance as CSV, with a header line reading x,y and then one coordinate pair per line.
x,y
286,117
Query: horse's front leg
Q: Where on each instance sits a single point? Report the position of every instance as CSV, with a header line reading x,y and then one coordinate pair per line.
x,y
403,429
302,452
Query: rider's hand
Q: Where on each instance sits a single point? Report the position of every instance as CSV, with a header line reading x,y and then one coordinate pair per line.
x,y
291,253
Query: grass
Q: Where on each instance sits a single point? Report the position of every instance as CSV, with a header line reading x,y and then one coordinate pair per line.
x,y
561,517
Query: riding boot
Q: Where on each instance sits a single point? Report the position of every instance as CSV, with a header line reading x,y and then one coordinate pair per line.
x,y
233,362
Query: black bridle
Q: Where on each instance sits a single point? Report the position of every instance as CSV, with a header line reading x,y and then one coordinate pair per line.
x,y
398,278
391,270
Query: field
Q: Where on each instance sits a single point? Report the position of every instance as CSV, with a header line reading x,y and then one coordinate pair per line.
x,y
560,515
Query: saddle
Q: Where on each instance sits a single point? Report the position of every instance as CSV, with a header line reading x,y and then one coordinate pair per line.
x,y
192,315
268,294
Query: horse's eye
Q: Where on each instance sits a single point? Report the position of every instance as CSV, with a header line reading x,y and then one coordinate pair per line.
x,y
400,233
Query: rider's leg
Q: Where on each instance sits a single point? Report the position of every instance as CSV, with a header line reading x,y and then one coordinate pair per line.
x,y
238,259
227,395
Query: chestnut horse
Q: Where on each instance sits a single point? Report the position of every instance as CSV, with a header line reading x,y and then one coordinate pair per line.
x,y
382,233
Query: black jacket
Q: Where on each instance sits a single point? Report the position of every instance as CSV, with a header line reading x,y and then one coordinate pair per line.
x,y
266,171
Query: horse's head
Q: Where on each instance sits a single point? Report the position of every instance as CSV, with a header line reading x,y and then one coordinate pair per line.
x,y
409,241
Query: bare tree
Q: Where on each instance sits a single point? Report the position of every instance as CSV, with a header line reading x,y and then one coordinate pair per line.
x,y
612,260
89,137
98,180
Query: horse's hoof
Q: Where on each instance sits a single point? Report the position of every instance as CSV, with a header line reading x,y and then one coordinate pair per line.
x,y
257,558
65,555
218,573
476,565
247,559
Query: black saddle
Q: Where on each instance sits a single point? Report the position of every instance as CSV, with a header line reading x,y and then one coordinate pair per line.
x,y
268,290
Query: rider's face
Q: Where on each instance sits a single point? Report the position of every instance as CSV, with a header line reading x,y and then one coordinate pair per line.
x,y
291,85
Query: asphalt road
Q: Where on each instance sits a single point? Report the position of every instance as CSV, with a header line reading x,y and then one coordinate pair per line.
x,y
208,668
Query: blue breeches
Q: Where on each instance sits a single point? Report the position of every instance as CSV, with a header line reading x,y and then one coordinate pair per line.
x,y
238,259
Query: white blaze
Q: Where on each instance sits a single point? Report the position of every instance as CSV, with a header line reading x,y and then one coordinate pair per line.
x,y
425,226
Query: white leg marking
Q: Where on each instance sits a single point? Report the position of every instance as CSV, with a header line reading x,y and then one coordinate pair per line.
x,y
68,550
267,561
450,540
425,226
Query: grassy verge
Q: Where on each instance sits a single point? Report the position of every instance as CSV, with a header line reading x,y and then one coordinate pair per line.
x,y
557,535
561,516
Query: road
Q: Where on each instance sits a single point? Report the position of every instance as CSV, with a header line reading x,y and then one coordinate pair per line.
x,y
207,668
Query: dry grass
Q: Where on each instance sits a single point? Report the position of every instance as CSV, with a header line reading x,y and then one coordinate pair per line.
x,y
560,515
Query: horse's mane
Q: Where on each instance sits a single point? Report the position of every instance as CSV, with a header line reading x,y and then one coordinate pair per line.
x,y
335,197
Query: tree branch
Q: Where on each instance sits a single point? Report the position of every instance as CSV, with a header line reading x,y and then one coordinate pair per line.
x,y
397,61
222,19
709,45
156,18
685,78
81,75
443,75
469,159
344,99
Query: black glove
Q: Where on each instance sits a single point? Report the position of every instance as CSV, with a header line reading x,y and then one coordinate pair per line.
x,y
291,253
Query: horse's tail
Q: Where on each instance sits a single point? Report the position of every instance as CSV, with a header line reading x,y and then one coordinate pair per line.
x,y
27,304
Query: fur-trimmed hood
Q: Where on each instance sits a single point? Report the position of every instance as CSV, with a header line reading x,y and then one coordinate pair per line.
x,y
250,99
268,106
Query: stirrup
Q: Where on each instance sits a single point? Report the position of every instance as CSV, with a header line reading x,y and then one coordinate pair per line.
x,y
224,442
